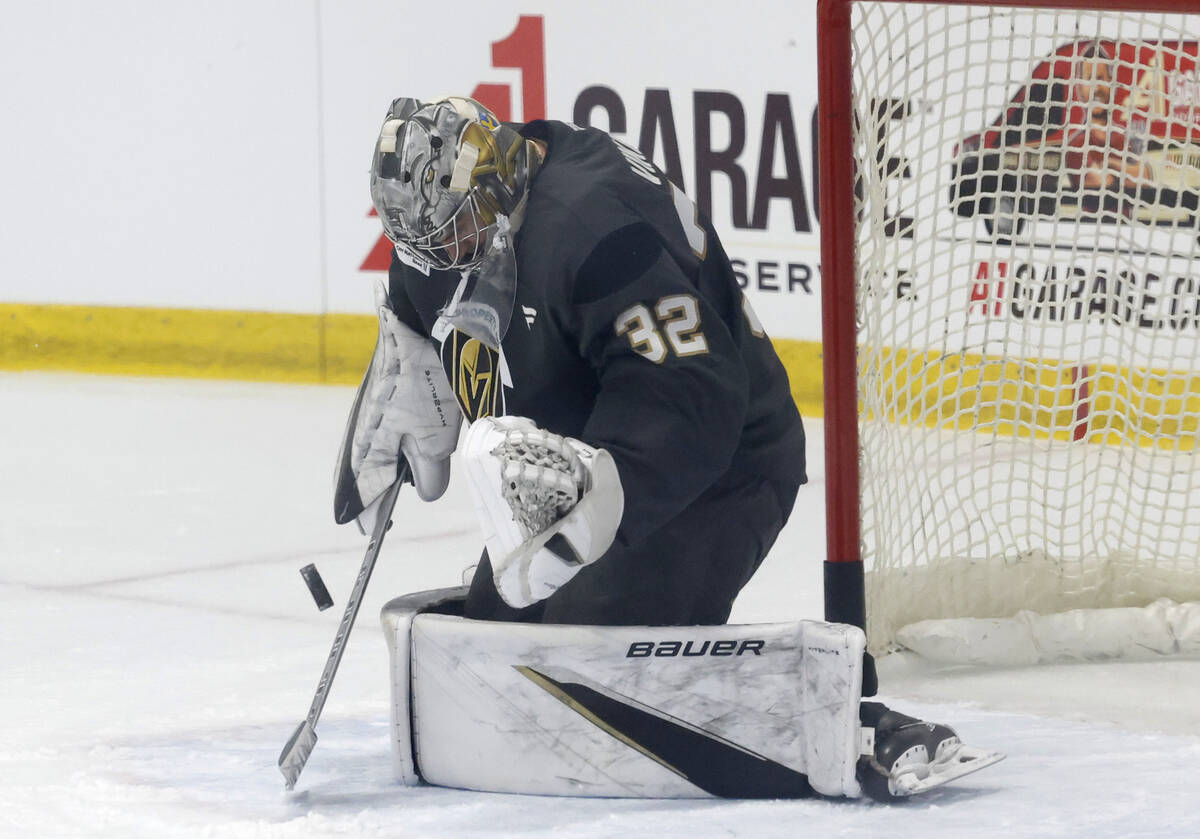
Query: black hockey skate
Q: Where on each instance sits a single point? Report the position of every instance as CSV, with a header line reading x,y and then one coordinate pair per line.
x,y
904,756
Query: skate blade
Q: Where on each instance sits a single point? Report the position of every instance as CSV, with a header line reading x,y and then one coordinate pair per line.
x,y
964,761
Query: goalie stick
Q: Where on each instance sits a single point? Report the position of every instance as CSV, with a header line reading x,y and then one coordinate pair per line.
x,y
300,745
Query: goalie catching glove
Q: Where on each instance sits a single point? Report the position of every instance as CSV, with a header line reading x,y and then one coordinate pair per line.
x,y
548,505
406,406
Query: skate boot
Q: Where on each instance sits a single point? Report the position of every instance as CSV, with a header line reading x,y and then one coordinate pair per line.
x,y
904,756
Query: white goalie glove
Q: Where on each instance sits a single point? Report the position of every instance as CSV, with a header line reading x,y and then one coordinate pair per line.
x,y
408,407
548,505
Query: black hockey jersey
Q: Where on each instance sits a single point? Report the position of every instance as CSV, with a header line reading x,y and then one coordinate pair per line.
x,y
629,332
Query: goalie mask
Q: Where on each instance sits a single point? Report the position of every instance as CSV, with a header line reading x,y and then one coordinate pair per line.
x,y
442,177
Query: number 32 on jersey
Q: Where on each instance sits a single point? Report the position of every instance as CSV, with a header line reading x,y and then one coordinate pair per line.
x,y
672,325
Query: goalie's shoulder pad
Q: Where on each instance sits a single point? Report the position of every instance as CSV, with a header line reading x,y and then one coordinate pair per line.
x,y
548,505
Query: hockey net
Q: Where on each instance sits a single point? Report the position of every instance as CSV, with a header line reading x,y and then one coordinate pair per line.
x,y
1013,317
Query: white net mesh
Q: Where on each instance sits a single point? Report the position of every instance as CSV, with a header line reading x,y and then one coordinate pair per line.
x,y
1028,308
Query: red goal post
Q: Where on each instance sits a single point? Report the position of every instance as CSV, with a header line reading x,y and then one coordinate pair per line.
x,y
1049,311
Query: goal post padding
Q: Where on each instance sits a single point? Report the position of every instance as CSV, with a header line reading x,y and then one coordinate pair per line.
x,y
1011,311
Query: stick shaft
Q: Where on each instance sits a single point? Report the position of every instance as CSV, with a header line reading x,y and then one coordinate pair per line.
x,y
295,753
356,595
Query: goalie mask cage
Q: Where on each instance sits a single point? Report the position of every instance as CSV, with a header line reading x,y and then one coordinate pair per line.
x,y
1011,295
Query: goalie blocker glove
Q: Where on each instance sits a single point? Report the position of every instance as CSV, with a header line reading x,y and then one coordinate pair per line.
x,y
548,505
408,408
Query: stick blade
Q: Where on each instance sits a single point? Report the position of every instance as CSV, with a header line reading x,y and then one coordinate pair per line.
x,y
296,751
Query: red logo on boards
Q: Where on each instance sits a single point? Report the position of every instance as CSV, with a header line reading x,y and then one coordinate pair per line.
x,y
524,49
982,289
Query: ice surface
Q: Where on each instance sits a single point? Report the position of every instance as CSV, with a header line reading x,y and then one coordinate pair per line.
x,y
158,646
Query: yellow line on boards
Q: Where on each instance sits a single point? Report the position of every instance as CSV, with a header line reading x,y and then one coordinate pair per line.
x,y
1038,398
802,360
255,346
199,343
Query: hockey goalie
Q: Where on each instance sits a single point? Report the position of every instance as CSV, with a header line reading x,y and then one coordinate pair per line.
x,y
632,451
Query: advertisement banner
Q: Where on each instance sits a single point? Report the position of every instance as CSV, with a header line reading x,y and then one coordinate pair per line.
x,y
723,102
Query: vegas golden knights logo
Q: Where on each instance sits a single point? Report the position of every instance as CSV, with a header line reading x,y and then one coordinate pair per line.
x,y
473,369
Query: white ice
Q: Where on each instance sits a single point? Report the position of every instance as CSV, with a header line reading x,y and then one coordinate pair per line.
x,y
158,646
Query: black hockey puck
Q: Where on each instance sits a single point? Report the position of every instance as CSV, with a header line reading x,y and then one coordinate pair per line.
x,y
316,587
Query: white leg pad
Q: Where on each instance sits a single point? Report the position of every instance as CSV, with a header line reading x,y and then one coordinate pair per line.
x,y
670,712
397,619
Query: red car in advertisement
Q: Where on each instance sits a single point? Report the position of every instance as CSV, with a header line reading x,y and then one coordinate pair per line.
x,y
1104,130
